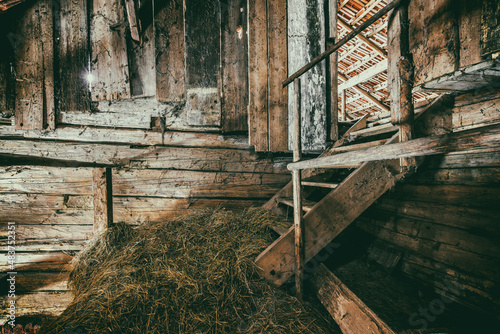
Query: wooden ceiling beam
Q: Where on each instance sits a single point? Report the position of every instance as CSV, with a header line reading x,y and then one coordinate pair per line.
x,y
362,37
364,93
365,75
365,11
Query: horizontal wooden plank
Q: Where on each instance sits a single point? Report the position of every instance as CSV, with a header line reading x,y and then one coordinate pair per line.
x,y
476,97
130,136
46,180
485,159
479,283
459,176
57,233
48,261
144,209
448,254
458,195
464,239
479,221
45,281
373,131
171,183
185,158
468,295
53,303
41,245
487,137
476,115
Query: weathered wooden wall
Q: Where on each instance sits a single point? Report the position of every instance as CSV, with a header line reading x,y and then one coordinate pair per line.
x,y
191,61
53,206
445,217
306,40
446,35
267,52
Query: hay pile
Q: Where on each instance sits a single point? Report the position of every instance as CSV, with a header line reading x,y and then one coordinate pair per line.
x,y
194,274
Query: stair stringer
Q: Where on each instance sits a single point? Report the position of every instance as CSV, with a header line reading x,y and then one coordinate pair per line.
x,y
329,217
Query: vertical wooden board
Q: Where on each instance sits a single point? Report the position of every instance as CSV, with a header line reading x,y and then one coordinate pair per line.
x,y
490,27
202,34
72,50
109,51
29,71
234,57
333,73
142,63
257,75
306,40
6,80
470,19
102,190
434,38
394,54
47,39
170,61
277,68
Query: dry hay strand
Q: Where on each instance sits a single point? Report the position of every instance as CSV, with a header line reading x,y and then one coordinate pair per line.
x,y
194,274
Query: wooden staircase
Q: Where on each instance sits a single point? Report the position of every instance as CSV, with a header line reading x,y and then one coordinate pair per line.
x,y
326,219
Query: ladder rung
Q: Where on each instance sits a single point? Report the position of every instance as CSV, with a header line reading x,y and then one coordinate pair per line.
x,y
306,205
320,184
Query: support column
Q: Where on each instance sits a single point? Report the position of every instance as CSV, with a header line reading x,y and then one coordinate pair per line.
x,y
102,189
400,76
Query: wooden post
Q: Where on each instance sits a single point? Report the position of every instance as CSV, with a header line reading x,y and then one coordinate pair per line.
x,y
297,195
344,104
400,77
102,188
334,78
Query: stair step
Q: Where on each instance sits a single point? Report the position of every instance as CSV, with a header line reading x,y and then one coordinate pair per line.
x,y
320,184
306,205
279,230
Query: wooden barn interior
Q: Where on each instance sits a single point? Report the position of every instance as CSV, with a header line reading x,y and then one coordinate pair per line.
x,y
373,125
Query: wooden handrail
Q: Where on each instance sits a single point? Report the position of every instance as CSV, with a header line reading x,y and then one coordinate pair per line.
x,y
480,138
344,40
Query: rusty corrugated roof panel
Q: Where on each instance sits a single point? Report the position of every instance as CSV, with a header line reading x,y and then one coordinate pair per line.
x,y
7,4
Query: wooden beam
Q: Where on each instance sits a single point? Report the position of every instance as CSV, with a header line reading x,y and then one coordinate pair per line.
x,y
344,103
361,91
102,189
348,311
133,20
170,59
365,75
365,11
485,137
362,37
277,72
297,196
347,52
400,77
362,62
334,69
257,75
351,35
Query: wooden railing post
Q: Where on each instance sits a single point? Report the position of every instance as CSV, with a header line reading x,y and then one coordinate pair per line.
x,y
344,105
297,194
